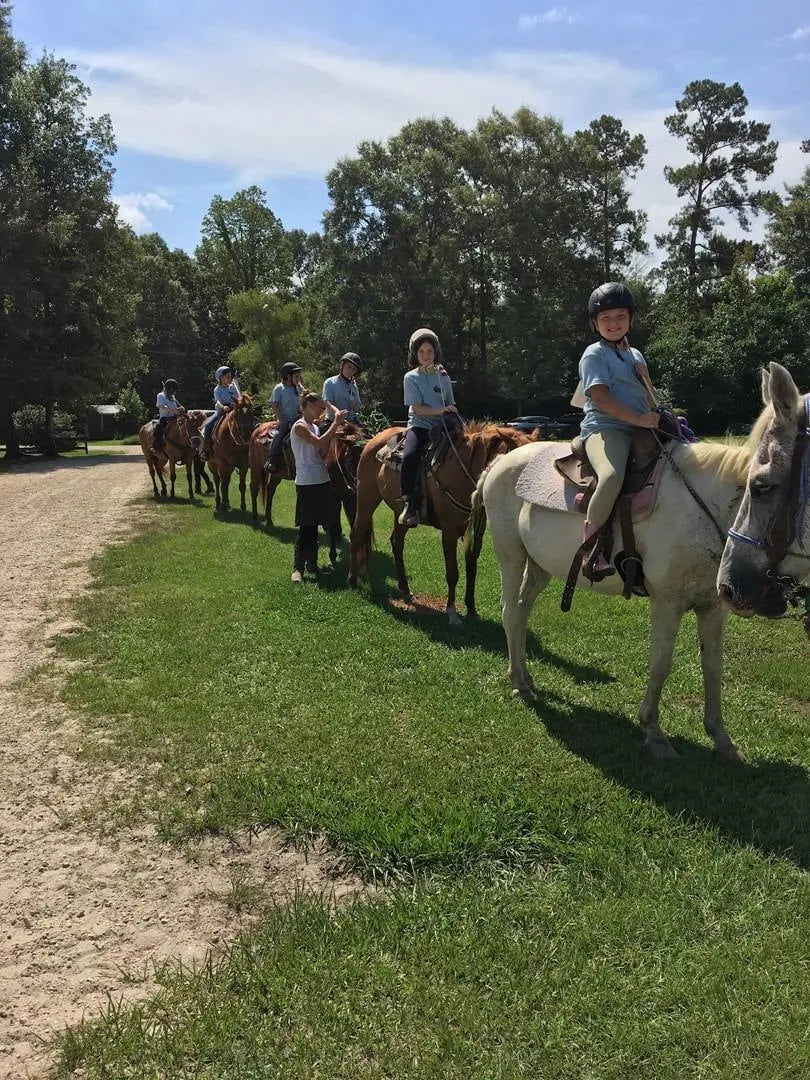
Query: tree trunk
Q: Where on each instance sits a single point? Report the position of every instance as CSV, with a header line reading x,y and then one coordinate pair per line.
x,y
12,439
50,440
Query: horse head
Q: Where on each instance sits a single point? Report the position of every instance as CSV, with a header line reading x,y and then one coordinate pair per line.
x,y
244,416
767,552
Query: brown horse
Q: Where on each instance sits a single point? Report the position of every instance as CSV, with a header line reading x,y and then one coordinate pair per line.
x,y
450,487
341,460
180,445
230,446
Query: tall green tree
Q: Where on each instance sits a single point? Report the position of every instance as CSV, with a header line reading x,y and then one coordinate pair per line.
x,y
393,245
170,339
275,330
12,60
789,232
244,244
610,158
542,261
67,265
728,152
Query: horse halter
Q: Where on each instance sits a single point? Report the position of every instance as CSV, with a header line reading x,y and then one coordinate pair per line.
x,y
787,523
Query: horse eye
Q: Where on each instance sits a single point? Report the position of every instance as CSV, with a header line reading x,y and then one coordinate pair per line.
x,y
761,487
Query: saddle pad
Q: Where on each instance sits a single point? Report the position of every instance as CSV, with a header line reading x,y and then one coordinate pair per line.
x,y
540,483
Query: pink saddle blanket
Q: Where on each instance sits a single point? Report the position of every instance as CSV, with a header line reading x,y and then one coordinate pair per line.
x,y
540,483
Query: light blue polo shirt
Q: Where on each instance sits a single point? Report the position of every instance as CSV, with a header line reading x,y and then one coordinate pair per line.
x,y
225,395
287,400
602,365
421,388
343,395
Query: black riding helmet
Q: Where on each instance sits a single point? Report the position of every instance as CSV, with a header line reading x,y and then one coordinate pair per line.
x,y
613,294
170,384
351,358
289,369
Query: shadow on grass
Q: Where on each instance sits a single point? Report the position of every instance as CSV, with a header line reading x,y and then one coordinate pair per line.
x,y
763,804
486,634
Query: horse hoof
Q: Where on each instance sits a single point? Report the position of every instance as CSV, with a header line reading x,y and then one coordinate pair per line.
x,y
661,749
453,618
524,693
729,752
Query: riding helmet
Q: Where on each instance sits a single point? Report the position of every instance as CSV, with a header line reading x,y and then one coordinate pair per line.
x,y
418,337
613,294
351,358
224,369
289,369
170,384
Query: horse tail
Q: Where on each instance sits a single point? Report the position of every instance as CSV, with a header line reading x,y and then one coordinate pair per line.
x,y
474,535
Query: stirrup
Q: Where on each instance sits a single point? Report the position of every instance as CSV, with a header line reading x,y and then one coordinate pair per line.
x,y
590,564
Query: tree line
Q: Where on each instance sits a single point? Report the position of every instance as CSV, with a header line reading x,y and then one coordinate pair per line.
x,y
493,236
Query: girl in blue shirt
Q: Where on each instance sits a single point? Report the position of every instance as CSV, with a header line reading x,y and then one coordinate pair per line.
x,y
226,395
614,380
428,393
285,401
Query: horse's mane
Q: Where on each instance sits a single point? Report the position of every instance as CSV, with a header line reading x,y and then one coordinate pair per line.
x,y
479,427
726,460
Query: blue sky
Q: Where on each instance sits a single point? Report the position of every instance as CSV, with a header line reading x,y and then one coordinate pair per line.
x,y
208,96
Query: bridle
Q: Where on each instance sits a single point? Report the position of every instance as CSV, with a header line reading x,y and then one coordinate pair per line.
x,y
787,523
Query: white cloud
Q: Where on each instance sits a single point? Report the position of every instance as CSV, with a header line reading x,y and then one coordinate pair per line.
x,y
274,107
132,208
270,108
799,33
553,15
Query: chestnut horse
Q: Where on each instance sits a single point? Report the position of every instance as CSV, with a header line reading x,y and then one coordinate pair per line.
x,y
341,460
450,487
230,446
181,442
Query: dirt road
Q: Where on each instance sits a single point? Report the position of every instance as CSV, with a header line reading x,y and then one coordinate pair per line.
x,y
77,908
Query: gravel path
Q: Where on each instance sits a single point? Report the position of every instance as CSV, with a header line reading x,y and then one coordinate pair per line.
x,y
78,908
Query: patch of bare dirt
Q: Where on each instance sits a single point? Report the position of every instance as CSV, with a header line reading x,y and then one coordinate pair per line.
x,y
85,912
420,605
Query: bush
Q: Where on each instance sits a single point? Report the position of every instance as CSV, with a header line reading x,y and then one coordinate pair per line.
x,y
30,425
133,410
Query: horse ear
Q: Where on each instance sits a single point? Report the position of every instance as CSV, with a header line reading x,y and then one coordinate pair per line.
x,y
766,389
784,393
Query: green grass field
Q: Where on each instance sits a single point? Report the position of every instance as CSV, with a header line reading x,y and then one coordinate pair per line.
x,y
557,905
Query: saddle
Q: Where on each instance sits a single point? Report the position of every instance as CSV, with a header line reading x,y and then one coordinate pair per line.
x,y
637,494
390,455
266,439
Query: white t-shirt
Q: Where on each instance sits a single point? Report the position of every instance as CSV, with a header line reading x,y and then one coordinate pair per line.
x,y
309,465
167,406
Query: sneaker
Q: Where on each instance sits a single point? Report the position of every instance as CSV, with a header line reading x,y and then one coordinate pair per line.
x,y
408,516
296,577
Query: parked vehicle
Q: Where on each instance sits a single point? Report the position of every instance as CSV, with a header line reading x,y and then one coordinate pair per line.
x,y
561,427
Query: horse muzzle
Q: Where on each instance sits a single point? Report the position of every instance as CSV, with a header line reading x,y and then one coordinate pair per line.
x,y
768,601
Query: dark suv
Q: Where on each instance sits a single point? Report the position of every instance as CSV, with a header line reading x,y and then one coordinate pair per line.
x,y
561,427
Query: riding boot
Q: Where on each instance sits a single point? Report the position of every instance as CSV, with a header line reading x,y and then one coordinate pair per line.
x,y
595,566
409,515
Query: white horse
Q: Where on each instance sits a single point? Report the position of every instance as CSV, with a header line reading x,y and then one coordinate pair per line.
x,y
767,555
681,548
